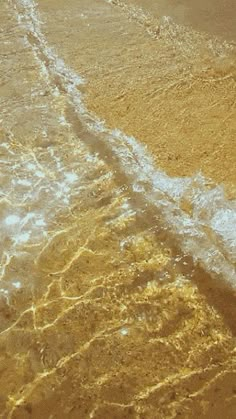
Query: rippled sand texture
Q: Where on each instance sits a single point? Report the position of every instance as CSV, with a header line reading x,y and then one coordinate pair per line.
x,y
170,87
101,315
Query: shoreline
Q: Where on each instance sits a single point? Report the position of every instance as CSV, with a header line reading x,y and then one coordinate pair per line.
x,y
181,106
106,317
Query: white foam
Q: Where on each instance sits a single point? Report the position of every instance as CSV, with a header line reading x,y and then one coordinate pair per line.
x,y
199,233
124,331
224,224
3,291
23,182
22,237
5,145
40,174
63,121
71,177
40,222
16,284
12,220
28,217
31,166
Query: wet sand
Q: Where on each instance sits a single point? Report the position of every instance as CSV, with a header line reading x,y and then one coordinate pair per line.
x,y
214,17
170,87
102,315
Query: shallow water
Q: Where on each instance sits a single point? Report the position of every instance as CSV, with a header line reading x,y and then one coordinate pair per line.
x,y
215,17
117,280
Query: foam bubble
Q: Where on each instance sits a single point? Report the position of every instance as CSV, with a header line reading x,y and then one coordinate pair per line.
x,y
16,284
22,237
40,222
71,177
23,182
38,173
31,166
12,220
124,331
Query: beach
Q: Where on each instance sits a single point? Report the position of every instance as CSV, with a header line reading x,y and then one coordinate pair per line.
x,y
118,206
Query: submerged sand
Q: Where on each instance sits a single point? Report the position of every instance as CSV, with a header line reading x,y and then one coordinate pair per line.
x,y
171,87
102,315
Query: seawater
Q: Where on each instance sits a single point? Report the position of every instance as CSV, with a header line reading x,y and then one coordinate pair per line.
x,y
102,255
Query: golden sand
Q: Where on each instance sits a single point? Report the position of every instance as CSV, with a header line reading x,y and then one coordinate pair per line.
x,y
102,316
170,87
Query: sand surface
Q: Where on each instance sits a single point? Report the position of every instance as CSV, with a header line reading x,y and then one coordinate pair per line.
x,y
102,315
169,86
